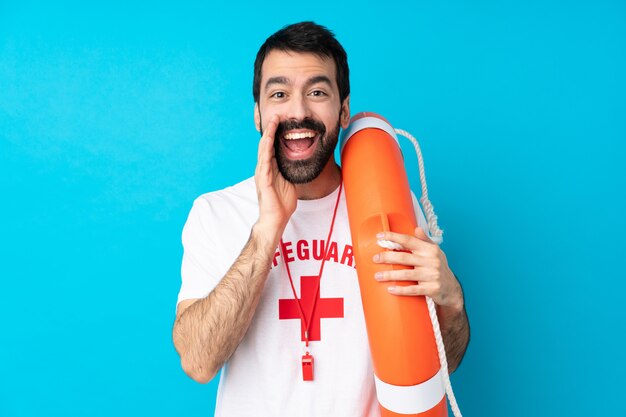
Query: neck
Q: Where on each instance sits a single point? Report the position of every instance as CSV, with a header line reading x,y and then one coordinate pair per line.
x,y
325,183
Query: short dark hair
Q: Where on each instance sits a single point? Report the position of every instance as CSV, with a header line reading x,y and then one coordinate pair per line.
x,y
307,37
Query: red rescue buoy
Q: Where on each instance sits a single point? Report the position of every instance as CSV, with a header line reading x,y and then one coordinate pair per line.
x,y
407,369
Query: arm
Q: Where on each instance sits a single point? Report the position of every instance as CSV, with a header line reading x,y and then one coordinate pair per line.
x,y
207,331
455,331
434,279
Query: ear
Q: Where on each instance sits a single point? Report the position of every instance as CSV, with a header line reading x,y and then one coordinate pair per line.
x,y
344,115
257,117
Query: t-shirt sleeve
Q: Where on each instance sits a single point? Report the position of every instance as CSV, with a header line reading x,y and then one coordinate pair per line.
x,y
199,274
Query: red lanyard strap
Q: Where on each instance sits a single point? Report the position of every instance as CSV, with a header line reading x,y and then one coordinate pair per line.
x,y
307,323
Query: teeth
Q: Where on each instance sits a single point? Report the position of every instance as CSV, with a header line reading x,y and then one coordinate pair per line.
x,y
292,136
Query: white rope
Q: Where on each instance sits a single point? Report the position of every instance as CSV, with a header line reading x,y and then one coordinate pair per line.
x,y
437,234
388,244
432,311
429,211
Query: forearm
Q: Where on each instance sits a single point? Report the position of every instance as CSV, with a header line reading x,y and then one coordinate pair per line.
x,y
455,332
207,333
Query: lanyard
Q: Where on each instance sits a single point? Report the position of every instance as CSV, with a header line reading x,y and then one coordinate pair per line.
x,y
307,359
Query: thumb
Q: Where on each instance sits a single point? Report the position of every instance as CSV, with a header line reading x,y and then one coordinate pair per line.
x,y
422,235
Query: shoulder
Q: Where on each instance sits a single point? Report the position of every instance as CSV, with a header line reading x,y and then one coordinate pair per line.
x,y
242,193
235,204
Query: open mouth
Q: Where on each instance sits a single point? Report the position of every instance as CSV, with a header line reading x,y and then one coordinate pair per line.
x,y
299,143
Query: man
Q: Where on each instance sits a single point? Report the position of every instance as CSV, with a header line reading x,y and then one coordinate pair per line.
x,y
256,311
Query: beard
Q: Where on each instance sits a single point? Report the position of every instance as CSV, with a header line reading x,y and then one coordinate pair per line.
x,y
302,171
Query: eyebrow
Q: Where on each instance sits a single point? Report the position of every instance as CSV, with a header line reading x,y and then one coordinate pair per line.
x,y
318,79
311,81
276,80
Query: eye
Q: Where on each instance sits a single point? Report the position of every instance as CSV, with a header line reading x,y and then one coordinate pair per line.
x,y
278,94
318,93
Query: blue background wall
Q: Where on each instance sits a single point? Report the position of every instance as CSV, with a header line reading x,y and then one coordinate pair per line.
x,y
114,117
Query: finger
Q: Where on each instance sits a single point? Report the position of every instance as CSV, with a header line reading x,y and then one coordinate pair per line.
x,y
400,258
422,235
427,289
413,274
410,290
266,144
270,129
267,140
266,150
406,241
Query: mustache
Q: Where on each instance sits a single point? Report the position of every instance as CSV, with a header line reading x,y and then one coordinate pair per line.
x,y
309,124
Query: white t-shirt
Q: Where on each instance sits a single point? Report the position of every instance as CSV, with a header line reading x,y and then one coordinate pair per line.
x,y
264,375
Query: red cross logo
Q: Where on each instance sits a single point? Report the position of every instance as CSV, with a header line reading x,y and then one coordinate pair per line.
x,y
331,308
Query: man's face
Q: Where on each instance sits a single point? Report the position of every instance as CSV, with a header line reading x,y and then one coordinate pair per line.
x,y
301,88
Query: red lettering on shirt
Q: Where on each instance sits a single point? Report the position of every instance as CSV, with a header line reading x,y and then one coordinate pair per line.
x,y
318,249
302,250
347,257
332,252
288,251
308,250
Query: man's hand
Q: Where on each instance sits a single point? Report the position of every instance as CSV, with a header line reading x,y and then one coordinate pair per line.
x,y
432,277
430,271
277,196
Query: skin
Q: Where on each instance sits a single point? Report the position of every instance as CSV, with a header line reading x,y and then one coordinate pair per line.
x,y
296,98
297,86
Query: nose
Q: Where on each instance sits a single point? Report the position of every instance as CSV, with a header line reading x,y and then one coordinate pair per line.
x,y
299,108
